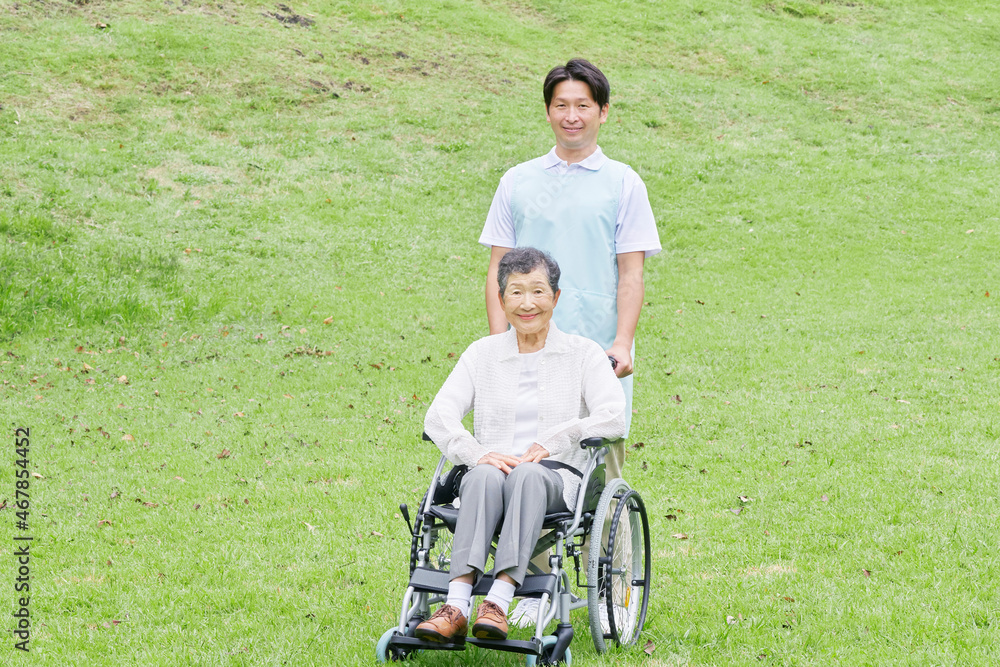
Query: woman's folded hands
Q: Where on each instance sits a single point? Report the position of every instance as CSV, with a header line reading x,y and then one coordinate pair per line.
x,y
507,462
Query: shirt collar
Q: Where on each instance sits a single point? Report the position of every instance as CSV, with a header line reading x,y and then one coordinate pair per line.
x,y
555,342
592,162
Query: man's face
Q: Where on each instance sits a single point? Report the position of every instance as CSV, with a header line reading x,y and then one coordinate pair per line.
x,y
574,116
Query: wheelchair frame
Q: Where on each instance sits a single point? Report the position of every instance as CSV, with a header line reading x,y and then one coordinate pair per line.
x,y
618,562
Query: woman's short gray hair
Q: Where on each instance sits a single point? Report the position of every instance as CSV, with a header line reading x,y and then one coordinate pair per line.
x,y
526,260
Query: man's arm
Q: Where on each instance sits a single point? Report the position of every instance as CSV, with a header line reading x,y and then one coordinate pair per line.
x,y
494,309
631,292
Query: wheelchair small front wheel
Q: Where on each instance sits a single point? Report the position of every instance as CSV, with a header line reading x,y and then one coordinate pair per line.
x,y
386,653
548,643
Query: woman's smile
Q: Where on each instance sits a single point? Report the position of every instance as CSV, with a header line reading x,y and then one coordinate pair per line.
x,y
528,302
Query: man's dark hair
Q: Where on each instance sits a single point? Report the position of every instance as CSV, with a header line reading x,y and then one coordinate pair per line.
x,y
578,69
525,260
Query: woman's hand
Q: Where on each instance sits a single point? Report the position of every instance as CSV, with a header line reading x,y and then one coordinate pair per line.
x,y
502,461
534,454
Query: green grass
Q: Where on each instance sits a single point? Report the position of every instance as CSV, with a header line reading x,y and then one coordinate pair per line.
x,y
191,192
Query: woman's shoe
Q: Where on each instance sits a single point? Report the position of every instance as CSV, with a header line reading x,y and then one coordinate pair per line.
x,y
445,626
491,622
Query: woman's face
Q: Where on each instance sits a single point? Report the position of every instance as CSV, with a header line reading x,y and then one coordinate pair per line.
x,y
528,301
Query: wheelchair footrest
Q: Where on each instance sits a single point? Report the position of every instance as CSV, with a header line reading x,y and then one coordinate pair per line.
x,y
530,647
413,643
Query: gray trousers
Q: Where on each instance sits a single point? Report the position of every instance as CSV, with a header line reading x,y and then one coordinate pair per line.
x,y
520,500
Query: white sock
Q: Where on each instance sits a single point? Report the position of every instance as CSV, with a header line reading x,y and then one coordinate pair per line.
x,y
501,594
460,596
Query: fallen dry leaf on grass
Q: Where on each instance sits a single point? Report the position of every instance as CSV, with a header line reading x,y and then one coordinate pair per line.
x,y
224,454
680,536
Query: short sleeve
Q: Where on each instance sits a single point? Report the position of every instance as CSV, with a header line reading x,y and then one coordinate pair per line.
x,y
635,228
499,227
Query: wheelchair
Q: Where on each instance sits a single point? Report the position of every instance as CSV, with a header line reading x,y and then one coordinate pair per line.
x,y
616,563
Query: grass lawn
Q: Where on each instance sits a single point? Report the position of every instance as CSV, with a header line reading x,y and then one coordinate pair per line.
x,y
238,258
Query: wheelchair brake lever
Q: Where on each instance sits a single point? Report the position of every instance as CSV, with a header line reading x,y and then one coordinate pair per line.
x,y
405,511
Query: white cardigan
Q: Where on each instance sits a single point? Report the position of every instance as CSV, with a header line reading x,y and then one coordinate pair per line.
x,y
578,397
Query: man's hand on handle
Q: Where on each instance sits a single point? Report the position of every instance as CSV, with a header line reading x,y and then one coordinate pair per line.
x,y
623,355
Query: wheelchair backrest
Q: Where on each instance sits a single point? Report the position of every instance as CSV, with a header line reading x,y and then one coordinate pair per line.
x,y
449,486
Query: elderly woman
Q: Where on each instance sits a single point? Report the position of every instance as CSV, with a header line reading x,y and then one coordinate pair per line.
x,y
536,392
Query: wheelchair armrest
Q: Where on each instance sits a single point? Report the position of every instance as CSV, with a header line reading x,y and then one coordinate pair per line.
x,y
592,443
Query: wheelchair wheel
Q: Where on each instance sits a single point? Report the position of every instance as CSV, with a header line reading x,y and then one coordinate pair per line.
x,y
618,567
548,641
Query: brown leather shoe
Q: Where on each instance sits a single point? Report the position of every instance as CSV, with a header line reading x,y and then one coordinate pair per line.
x,y
491,622
446,625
